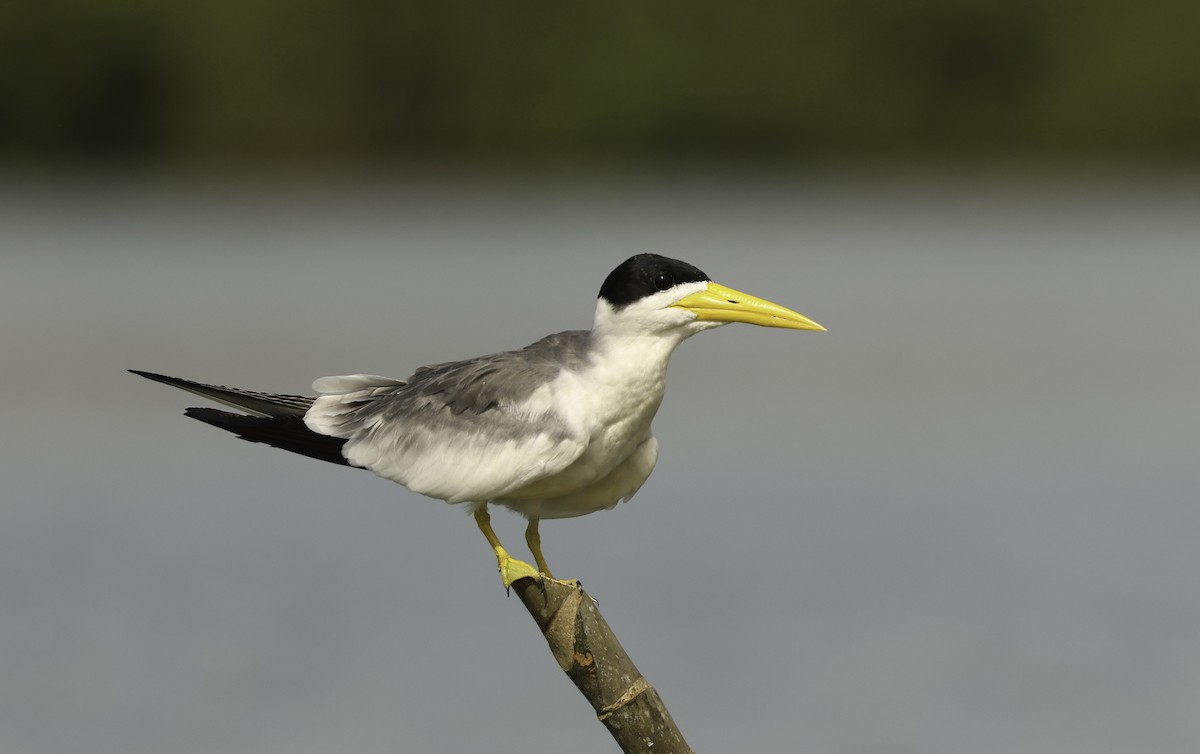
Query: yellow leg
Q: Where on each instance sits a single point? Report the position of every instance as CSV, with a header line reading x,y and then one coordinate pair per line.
x,y
510,568
534,540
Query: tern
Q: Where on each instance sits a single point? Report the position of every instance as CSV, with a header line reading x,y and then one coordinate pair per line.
x,y
558,429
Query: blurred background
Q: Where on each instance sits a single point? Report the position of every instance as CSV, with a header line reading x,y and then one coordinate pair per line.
x,y
301,84
962,520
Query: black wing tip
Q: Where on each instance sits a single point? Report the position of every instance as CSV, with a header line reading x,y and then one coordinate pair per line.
x,y
212,415
285,433
178,382
153,376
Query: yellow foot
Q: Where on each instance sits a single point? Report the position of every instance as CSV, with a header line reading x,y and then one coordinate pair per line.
x,y
512,569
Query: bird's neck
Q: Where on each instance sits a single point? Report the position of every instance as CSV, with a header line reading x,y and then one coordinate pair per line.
x,y
631,368
628,356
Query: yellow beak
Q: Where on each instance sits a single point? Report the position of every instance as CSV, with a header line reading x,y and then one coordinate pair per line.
x,y
721,304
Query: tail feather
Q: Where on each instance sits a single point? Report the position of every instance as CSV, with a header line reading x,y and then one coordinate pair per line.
x,y
285,432
262,404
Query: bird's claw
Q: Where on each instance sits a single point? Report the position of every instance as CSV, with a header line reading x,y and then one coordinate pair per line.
x,y
512,570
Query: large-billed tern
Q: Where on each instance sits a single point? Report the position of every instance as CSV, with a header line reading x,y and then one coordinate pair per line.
x,y
557,429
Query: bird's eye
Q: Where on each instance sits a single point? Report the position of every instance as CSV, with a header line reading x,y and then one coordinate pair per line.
x,y
663,281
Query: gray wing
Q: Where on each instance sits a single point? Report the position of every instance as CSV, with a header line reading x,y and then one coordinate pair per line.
x,y
479,385
466,430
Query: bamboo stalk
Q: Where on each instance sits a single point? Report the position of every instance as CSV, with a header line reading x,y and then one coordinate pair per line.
x,y
586,649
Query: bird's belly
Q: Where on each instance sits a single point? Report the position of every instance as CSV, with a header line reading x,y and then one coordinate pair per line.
x,y
597,461
581,489
620,454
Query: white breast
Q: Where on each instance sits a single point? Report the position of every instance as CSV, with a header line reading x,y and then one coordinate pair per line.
x,y
611,403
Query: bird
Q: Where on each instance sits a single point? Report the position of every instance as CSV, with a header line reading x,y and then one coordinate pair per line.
x,y
558,429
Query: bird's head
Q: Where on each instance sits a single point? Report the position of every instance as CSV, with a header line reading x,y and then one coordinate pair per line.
x,y
650,294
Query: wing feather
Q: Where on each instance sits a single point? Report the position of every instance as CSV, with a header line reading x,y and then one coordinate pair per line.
x,y
257,403
461,431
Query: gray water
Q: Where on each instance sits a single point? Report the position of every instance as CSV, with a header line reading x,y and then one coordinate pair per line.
x,y
964,520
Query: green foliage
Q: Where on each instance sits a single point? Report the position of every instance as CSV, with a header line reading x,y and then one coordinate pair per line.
x,y
304,80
